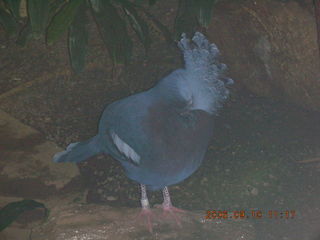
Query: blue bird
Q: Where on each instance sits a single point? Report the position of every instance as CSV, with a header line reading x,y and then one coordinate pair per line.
x,y
160,136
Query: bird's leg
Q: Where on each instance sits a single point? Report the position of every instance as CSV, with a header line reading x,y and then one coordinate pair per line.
x,y
146,211
168,208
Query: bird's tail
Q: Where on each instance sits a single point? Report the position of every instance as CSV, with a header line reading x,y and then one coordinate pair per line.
x,y
204,73
80,151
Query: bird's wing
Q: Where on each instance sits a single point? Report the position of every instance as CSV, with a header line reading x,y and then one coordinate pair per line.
x,y
125,149
122,126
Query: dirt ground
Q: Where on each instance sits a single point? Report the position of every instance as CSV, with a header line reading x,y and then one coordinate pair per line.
x,y
264,155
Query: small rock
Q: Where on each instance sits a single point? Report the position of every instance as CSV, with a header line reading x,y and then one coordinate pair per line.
x,y
254,191
112,198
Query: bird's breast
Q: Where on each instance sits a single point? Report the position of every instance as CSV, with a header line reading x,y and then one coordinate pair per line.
x,y
178,138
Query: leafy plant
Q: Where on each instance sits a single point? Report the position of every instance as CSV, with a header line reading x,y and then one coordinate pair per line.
x,y
191,14
13,210
53,18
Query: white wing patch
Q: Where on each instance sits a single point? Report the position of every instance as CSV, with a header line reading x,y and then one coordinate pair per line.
x,y
125,149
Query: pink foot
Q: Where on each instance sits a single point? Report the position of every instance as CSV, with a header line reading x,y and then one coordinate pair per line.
x,y
147,214
171,212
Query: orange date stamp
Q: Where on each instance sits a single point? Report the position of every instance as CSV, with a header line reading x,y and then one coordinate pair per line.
x,y
252,214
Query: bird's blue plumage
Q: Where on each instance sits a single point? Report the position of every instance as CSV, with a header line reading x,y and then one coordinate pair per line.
x,y
160,136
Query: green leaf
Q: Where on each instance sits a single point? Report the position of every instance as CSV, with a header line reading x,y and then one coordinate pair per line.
x,y
38,12
25,35
186,19
152,2
138,2
54,7
78,40
14,6
11,211
205,11
158,25
137,23
8,22
96,5
62,20
113,30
